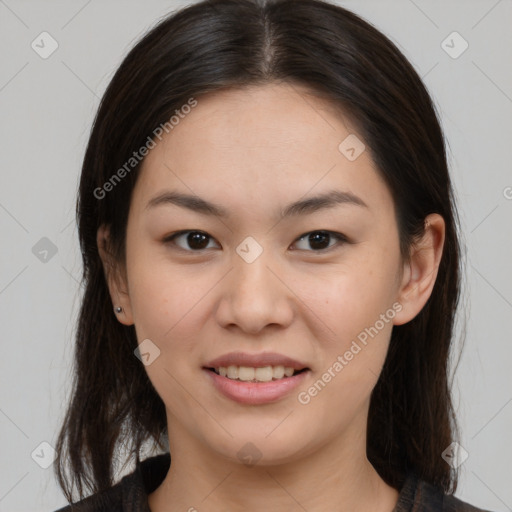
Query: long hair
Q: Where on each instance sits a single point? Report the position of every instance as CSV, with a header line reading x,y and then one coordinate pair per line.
x,y
210,46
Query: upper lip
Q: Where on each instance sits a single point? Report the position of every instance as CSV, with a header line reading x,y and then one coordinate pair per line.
x,y
255,360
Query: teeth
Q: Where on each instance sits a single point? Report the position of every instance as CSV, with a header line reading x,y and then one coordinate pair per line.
x,y
245,373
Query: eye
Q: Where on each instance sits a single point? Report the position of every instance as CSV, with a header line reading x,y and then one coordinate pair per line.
x,y
319,240
196,240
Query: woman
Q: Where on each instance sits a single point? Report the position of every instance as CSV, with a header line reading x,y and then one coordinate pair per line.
x,y
266,207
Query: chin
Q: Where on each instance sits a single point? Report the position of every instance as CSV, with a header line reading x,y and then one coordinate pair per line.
x,y
257,448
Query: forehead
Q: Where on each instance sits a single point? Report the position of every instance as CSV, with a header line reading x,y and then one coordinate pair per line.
x,y
271,143
268,117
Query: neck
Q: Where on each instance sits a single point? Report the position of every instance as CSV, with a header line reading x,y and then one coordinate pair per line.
x,y
336,473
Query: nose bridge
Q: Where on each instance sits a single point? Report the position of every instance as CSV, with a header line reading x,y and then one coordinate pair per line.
x,y
250,266
254,297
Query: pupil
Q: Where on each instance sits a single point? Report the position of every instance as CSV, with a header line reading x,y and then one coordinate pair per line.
x,y
319,240
197,240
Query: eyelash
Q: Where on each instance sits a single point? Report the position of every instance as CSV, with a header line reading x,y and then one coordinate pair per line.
x,y
342,239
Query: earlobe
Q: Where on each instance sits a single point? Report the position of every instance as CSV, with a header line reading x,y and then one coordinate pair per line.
x,y
420,272
115,281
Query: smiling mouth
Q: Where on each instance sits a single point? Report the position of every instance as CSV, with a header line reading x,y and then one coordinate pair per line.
x,y
266,374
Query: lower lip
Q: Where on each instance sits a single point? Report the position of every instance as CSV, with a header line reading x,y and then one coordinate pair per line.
x,y
255,393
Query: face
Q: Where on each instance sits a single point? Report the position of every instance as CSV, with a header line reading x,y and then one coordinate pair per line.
x,y
318,285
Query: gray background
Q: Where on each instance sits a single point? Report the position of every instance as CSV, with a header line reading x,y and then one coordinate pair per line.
x,y
47,107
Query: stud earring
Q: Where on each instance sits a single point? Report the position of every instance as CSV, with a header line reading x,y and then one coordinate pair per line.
x,y
119,309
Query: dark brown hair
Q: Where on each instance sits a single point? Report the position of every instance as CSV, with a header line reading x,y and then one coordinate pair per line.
x,y
217,44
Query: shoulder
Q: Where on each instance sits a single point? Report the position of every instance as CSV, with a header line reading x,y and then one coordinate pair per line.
x,y
109,500
451,503
420,496
129,494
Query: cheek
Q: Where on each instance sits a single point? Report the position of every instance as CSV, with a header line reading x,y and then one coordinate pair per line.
x,y
351,297
165,301
353,306
359,313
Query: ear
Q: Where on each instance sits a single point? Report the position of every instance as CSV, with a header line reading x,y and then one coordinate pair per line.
x,y
115,276
420,272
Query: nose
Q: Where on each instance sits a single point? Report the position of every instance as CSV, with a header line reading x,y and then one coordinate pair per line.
x,y
255,296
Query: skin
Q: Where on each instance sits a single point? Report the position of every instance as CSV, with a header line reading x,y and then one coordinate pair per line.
x,y
254,151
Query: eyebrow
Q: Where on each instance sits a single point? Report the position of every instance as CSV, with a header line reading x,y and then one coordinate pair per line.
x,y
323,201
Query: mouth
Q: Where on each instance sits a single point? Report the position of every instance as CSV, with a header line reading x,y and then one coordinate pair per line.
x,y
256,385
